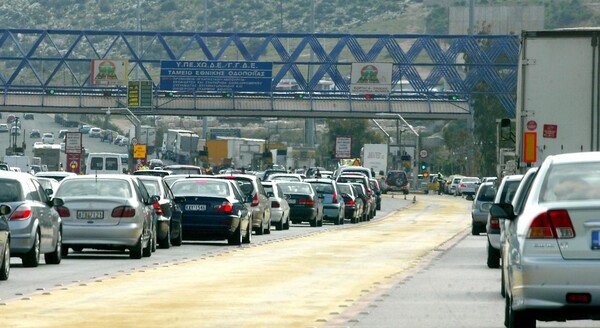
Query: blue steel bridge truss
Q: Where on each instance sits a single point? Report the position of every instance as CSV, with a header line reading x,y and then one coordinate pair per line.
x,y
440,67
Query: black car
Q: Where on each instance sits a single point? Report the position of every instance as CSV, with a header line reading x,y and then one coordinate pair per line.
x,y
377,190
213,209
168,214
354,204
28,116
34,134
4,242
305,205
155,163
396,180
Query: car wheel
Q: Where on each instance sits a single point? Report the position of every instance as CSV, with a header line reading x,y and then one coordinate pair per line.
x,y
493,257
32,258
64,251
236,237
136,252
286,226
353,220
5,267
166,242
56,256
268,230
474,230
147,251
314,222
502,284
260,230
77,249
337,221
279,225
179,240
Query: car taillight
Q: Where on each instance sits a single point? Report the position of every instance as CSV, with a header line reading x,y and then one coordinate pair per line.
x,y
225,207
350,202
254,200
334,200
494,223
63,211
123,212
21,213
552,224
306,201
157,209
275,204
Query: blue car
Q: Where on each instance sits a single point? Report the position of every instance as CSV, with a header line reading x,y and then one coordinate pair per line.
x,y
213,209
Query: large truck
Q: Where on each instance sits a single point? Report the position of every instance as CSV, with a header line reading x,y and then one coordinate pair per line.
x,y
147,137
180,145
49,155
21,162
558,94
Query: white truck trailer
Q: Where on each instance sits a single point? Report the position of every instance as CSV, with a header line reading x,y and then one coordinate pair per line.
x,y
558,94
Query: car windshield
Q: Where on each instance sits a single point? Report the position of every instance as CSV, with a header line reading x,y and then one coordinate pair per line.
x,y
94,187
200,188
565,182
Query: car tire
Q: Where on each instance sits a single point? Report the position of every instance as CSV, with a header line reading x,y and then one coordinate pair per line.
x,y
502,284
165,243
147,251
154,239
314,222
179,239
136,252
56,256
268,230
286,225
279,225
5,267
236,237
64,251
32,258
474,230
260,230
493,257
337,220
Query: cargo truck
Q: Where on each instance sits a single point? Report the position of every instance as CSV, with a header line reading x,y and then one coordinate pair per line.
x,y
49,154
558,94
180,145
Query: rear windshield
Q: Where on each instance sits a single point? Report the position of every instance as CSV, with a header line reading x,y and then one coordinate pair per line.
x,y
323,188
94,187
200,188
346,189
105,163
10,191
487,193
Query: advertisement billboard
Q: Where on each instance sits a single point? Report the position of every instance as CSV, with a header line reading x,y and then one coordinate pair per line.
x,y
371,78
109,72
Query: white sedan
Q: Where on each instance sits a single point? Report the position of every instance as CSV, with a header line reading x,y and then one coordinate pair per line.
x,y
48,138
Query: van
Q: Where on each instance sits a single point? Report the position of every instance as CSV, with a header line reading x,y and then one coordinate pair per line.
x,y
104,163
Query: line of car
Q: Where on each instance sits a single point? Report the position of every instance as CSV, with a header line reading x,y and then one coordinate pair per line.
x,y
543,232
55,213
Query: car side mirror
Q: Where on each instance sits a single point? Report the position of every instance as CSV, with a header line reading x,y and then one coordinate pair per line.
x,y
502,211
157,197
5,209
57,202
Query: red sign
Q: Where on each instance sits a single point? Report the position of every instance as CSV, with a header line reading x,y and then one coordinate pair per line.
x,y
73,163
550,131
531,125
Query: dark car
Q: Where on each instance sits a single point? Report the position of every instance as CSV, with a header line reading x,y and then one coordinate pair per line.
x,y
361,193
260,204
28,116
305,205
4,242
213,209
35,134
370,198
155,163
272,171
167,211
354,204
36,228
396,180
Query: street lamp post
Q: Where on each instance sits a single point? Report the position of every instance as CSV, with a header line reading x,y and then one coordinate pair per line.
x,y
415,168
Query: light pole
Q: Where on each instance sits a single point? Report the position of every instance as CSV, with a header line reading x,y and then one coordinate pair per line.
x,y
415,168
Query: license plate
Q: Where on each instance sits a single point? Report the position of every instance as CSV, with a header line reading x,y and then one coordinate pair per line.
x,y
90,215
595,239
195,207
291,201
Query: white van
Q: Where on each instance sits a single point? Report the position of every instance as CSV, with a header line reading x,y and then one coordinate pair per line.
x,y
104,163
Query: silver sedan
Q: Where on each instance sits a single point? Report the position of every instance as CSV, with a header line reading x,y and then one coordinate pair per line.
x,y
106,212
551,255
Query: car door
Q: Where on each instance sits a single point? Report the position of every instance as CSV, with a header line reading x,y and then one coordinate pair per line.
x,y
285,207
174,208
41,211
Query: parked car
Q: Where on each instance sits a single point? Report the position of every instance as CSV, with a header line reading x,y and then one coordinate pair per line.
x,y
34,134
48,138
353,209
505,194
3,128
260,205
168,223
396,180
124,142
28,116
107,211
85,129
334,207
4,242
213,209
35,226
552,241
305,205
480,208
95,133
467,186
280,209
359,190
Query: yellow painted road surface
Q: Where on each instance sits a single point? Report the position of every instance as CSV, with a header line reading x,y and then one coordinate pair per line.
x,y
322,279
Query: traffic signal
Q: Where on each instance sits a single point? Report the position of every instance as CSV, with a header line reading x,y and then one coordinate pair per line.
x,y
453,97
227,95
169,94
369,96
299,95
50,91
